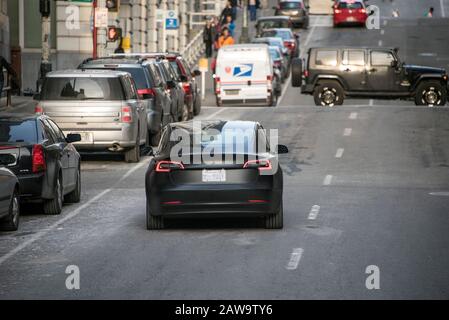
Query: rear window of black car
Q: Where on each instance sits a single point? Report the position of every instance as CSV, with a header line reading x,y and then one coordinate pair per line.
x,y
82,88
326,58
18,131
290,5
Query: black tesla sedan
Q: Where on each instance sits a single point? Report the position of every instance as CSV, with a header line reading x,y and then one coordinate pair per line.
x,y
9,195
215,169
46,163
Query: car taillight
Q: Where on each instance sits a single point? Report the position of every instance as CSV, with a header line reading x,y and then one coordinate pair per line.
x,y
217,85
147,91
38,109
269,80
362,10
289,44
186,88
38,159
337,11
127,116
259,164
306,73
167,166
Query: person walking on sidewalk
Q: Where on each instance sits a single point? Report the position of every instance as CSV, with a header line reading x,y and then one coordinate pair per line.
x,y
5,64
209,38
252,7
227,11
230,25
225,39
234,5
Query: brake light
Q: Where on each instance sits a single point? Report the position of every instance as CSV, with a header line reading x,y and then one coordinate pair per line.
x,y
306,73
269,79
337,11
289,44
38,109
186,88
262,165
167,166
172,202
38,159
257,201
147,91
217,85
127,114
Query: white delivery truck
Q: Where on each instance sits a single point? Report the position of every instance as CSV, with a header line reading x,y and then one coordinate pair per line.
x,y
244,73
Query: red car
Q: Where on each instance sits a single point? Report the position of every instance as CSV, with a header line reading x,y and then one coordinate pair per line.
x,y
349,12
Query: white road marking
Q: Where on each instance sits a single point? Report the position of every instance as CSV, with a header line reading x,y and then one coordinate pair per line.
x,y
371,102
441,194
327,180
309,36
339,153
295,257
287,82
382,32
353,115
443,13
385,22
380,43
347,132
314,212
213,115
69,216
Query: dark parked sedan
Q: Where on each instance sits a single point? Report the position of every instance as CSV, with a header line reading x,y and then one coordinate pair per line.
x,y
214,169
46,163
9,195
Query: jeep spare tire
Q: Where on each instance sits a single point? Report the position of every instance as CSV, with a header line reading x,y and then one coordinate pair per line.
x,y
296,72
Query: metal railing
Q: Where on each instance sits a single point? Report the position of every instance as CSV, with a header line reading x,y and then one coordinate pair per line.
x,y
194,49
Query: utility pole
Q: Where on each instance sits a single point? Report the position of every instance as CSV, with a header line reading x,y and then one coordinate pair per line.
x,y
45,67
244,37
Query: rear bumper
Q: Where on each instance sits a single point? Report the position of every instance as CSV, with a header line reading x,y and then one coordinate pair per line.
x,y
225,201
31,185
349,19
298,19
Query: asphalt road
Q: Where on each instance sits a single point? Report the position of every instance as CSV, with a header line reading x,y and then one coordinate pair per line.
x,y
366,184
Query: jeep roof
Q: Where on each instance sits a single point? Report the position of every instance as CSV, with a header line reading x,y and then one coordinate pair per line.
x,y
86,73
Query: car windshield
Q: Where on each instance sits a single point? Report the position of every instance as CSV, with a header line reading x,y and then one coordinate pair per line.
x,y
290,5
82,88
284,34
350,5
18,131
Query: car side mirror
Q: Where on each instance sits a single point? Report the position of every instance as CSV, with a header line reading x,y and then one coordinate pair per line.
x,y
282,149
37,96
73,137
7,159
196,73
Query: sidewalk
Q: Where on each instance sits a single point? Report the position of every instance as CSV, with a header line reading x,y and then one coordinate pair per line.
x,y
209,100
19,104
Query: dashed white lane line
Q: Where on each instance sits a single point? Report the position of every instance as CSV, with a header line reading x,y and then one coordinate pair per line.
x,y
339,153
380,43
353,115
382,32
347,132
314,212
443,13
286,86
371,102
69,216
327,180
295,257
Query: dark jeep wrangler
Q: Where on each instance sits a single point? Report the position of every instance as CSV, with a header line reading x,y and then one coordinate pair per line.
x,y
331,74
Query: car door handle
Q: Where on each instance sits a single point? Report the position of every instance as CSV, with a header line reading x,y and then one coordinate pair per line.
x,y
347,70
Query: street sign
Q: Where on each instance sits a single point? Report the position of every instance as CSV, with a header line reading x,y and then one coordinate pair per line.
x,y
101,17
171,20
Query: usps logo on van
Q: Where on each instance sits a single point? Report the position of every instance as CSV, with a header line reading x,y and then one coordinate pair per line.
x,y
243,70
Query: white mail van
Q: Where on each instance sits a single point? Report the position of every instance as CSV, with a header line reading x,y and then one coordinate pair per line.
x,y
244,73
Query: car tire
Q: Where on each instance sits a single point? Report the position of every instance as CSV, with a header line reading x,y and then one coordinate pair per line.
x,y
133,154
218,102
197,106
275,221
75,195
54,206
430,93
328,94
185,115
154,222
11,221
296,72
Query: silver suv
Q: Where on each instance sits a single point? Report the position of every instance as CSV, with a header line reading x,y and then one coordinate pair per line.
x,y
103,106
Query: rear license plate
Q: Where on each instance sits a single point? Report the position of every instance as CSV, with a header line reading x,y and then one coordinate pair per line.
x,y
85,136
350,19
214,175
232,92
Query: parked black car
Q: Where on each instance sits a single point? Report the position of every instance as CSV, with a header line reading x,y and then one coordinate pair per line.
x,y
331,74
9,195
297,10
156,98
46,163
243,179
